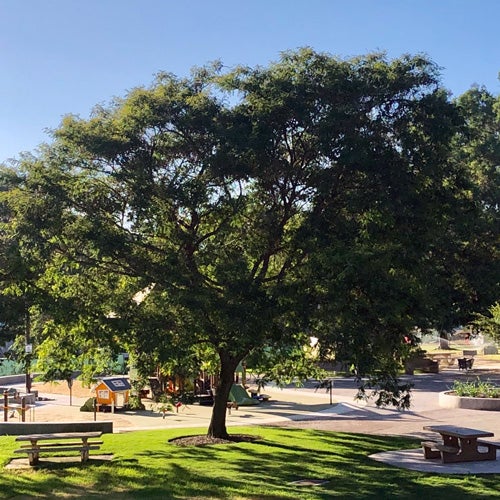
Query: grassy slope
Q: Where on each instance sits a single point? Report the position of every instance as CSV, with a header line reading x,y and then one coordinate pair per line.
x,y
146,466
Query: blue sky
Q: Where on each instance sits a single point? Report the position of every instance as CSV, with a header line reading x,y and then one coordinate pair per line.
x,y
65,56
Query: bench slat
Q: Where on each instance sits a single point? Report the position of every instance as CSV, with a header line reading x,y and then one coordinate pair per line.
x,y
447,449
43,446
59,435
493,444
429,444
58,448
430,450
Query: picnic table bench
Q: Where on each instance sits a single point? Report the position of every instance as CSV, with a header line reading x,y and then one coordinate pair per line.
x,y
460,444
69,441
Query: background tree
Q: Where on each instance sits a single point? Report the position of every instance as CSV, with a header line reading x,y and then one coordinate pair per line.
x,y
259,206
19,268
466,271
489,323
477,150
12,309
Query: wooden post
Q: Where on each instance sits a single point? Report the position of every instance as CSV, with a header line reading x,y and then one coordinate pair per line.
x,y
69,381
5,405
27,349
23,409
243,373
95,409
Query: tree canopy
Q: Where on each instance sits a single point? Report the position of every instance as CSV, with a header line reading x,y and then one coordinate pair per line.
x,y
258,206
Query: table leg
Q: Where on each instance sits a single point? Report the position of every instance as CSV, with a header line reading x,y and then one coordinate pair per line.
x,y
469,450
34,456
85,449
85,454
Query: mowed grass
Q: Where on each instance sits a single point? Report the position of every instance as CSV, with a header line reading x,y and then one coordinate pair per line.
x,y
146,465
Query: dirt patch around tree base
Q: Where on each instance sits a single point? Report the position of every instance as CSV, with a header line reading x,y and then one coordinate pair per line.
x,y
204,440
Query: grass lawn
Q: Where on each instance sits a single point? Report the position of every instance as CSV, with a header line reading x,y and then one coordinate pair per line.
x,y
146,465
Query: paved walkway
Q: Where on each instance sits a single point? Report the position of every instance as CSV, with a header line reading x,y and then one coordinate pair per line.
x,y
350,416
284,406
304,407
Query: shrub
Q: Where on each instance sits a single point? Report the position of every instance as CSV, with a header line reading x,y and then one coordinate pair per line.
x,y
476,389
88,405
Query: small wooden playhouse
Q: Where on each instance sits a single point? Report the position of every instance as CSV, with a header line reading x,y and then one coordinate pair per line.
x,y
113,392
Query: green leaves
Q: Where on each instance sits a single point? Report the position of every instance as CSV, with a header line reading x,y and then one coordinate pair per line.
x,y
315,194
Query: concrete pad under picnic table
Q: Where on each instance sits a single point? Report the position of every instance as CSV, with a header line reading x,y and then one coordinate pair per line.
x,y
414,460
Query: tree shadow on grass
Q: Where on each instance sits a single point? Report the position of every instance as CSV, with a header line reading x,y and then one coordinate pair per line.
x,y
263,469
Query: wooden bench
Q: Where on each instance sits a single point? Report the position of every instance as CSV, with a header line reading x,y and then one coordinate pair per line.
x,y
492,446
433,449
426,365
71,441
430,449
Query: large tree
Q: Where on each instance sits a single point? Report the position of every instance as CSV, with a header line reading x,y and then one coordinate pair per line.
x,y
255,205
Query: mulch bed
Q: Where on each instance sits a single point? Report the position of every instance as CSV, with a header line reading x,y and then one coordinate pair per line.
x,y
204,440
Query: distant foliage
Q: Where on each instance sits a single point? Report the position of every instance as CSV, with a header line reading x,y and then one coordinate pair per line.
x,y
476,389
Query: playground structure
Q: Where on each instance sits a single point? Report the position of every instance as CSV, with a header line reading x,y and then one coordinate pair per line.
x,y
113,392
240,396
13,402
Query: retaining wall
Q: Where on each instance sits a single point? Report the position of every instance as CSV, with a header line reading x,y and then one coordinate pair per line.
x,y
448,399
22,428
12,379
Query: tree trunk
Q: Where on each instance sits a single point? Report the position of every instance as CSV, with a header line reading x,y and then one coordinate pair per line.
x,y
217,427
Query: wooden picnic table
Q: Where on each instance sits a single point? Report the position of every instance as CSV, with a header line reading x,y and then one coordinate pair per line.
x,y
66,441
443,357
459,444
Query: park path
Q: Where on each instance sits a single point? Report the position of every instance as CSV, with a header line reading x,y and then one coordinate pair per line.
x,y
305,407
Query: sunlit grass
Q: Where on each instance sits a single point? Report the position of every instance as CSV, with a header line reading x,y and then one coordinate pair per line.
x,y
434,348
146,465
491,357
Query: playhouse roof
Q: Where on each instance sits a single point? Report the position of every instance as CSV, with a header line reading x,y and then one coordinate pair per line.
x,y
116,384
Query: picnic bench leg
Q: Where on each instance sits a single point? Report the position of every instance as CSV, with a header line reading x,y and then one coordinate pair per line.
x,y
429,452
85,454
33,457
85,450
